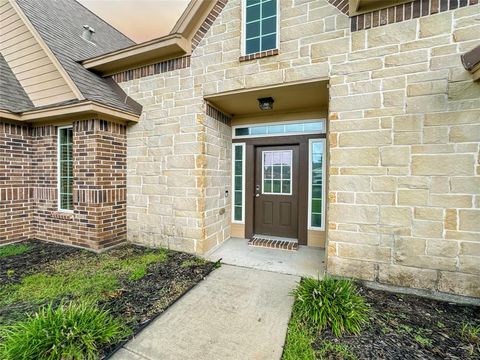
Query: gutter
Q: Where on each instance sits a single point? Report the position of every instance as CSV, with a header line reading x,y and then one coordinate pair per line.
x,y
166,47
67,111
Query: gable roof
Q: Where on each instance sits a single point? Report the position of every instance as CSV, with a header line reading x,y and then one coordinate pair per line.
x,y
12,96
60,25
189,30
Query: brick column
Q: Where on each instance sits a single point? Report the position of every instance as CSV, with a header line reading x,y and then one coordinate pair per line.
x,y
15,183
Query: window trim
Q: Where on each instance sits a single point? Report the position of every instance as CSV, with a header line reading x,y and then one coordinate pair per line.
x,y
306,121
310,158
244,152
243,44
59,199
281,180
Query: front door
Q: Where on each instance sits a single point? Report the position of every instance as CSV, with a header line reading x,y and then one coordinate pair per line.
x,y
276,191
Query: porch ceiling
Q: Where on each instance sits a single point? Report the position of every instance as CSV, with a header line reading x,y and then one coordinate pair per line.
x,y
288,98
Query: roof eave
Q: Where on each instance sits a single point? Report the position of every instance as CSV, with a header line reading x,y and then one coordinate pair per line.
x,y
471,62
167,47
71,110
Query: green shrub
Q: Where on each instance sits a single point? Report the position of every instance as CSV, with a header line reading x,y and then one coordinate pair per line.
x,y
13,249
71,331
330,303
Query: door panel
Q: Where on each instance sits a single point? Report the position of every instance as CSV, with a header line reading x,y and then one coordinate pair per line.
x,y
276,191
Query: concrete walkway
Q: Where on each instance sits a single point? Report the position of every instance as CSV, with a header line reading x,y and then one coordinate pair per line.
x,y
235,313
306,261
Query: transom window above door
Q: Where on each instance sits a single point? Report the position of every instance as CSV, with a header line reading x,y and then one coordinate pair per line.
x,y
277,172
261,25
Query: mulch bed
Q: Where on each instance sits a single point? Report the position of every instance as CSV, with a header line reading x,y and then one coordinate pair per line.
x,y
398,320
137,302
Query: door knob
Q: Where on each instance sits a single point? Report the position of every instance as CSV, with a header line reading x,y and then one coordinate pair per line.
x,y
257,195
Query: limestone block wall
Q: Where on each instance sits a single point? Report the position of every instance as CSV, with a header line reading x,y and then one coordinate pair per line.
x,y
404,166
404,121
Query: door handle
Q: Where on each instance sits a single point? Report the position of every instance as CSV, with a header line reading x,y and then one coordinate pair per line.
x,y
257,195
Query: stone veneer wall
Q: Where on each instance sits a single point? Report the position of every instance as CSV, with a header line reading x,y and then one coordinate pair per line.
x,y
404,123
99,154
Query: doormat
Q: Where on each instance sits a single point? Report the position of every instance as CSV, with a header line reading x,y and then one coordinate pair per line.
x,y
265,242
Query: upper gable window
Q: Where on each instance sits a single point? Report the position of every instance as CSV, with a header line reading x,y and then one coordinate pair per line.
x,y
261,25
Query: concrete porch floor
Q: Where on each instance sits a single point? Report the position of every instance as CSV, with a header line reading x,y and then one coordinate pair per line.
x,y
306,261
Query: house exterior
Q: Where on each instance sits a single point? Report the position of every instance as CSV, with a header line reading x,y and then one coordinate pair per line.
x,y
348,125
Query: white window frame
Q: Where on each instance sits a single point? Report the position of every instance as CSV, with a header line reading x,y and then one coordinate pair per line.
x,y
244,29
310,158
281,180
59,200
323,121
234,145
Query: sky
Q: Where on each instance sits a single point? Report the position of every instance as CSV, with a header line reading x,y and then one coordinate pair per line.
x,y
140,20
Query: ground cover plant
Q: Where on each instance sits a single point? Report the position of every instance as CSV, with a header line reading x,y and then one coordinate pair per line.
x,y
398,326
59,302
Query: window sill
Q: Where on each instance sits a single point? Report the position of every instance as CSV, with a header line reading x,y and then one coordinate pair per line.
x,y
62,215
259,55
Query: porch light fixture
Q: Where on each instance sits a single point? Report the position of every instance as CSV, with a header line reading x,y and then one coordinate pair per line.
x,y
265,103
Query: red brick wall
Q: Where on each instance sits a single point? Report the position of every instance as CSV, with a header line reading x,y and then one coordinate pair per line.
x,y
99,186
15,183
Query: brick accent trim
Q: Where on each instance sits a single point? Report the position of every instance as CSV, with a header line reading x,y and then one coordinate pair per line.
x,y
259,55
273,244
341,5
208,22
218,115
403,12
153,69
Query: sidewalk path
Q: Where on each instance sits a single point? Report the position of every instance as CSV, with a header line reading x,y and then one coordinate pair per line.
x,y
235,313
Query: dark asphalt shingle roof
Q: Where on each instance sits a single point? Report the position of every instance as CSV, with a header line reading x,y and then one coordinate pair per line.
x,y
12,96
60,24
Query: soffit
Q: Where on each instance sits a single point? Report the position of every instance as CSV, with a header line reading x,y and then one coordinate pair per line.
x,y
357,7
287,98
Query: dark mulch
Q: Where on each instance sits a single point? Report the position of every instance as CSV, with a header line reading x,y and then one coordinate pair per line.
x,y
400,323
137,302
38,254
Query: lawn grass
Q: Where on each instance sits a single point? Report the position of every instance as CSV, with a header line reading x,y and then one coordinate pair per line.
x,y
62,303
13,249
96,277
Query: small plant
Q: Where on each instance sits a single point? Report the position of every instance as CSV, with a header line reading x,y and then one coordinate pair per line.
x,y
333,351
331,303
471,334
137,274
13,249
10,273
193,262
70,331
402,328
423,340
440,325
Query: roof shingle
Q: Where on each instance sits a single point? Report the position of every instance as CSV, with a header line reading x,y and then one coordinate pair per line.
x,y
60,24
12,96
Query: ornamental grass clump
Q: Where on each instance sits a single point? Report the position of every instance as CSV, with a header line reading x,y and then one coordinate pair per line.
x,y
331,303
77,330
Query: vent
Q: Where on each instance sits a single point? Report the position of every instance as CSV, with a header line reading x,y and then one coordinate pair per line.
x,y
87,33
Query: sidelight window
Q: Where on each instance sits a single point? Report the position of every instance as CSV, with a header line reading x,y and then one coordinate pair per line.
x,y
317,184
261,25
238,200
65,168
277,172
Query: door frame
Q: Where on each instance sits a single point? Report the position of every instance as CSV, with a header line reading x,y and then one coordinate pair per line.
x,y
250,145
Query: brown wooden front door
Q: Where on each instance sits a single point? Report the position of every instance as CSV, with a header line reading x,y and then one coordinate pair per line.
x,y
276,191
